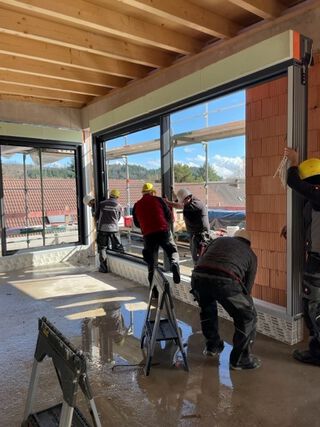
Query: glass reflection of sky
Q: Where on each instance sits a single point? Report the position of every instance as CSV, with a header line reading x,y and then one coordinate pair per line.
x,y
138,318
224,370
221,152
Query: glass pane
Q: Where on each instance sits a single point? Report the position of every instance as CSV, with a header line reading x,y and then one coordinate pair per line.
x,y
59,197
134,161
209,160
22,197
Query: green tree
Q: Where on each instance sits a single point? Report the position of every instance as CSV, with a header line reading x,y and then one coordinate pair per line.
x,y
212,174
183,173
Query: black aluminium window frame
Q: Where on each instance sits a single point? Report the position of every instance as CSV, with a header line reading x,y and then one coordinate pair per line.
x,y
161,117
47,144
262,76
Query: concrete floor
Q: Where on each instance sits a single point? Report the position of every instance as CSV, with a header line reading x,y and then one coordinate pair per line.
x,y
103,315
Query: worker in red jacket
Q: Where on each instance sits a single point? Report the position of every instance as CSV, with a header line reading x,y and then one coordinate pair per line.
x,y
152,215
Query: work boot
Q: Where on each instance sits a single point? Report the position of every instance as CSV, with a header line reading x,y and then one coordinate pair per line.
x,y
175,272
252,362
212,349
305,356
103,268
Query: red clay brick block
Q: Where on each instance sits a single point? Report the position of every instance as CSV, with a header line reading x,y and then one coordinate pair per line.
x,y
270,107
278,279
283,103
314,119
263,277
269,146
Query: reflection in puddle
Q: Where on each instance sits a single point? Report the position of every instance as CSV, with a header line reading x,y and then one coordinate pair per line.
x,y
100,334
114,339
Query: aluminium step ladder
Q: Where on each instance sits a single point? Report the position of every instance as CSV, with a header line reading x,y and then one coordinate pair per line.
x,y
159,329
71,369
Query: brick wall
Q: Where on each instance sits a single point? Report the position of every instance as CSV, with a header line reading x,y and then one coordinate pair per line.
x,y
266,128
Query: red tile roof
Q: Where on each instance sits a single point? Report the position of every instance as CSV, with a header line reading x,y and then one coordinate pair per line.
x,y
60,197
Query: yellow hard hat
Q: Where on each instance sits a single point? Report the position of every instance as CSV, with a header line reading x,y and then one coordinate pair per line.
x,y
308,168
115,193
147,187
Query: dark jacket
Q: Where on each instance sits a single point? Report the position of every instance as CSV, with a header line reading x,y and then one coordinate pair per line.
x,y
108,215
195,216
230,256
151,214
311,212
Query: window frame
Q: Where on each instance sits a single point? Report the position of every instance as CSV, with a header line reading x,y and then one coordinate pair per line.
x,y
46,144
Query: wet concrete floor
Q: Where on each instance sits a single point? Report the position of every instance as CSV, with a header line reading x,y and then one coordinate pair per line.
x,y
103,314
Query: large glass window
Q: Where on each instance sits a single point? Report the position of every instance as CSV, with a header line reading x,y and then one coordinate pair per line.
x,y
209,160
39,197
131,161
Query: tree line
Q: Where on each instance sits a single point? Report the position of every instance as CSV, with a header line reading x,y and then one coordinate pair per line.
x,y
182,172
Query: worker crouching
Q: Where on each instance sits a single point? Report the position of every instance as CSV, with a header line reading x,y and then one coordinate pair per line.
x,y
225,273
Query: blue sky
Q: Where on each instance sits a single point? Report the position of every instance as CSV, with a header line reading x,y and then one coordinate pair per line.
x,y
226,156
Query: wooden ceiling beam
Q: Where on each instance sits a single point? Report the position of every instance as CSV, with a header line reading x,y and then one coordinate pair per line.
x,y
38,68
47,102
188,14
13,89
106,21
34,49
266,9
50,83
63,35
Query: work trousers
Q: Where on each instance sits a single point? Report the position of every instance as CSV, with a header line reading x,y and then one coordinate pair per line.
x,y
108,240
311,301
152,242
208,289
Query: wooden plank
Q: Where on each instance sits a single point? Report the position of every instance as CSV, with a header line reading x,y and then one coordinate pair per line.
x,y
106,21
28,66
13,89
50,83
50,102
188,14
63,35
42,51
269,9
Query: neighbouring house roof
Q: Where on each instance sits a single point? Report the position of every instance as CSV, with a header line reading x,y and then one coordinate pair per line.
x,y
22,205
22,202
221,194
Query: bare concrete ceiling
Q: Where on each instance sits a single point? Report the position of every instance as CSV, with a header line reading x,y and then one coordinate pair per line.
x,y
69,52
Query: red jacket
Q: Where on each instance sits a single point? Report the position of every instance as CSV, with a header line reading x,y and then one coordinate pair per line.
x,y
151,214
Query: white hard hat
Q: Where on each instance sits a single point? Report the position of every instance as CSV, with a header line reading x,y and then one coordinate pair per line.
x,y
88,198
183,193
244,234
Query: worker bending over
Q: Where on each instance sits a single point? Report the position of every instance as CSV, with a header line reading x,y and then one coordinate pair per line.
x,y
225,273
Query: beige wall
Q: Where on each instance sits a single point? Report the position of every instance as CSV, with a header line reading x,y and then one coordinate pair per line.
x,y
40,115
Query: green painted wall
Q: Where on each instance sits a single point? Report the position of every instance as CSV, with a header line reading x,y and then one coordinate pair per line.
x,y
39,132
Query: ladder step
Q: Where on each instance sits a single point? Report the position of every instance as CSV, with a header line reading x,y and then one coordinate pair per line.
x,y
51,417
165,330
